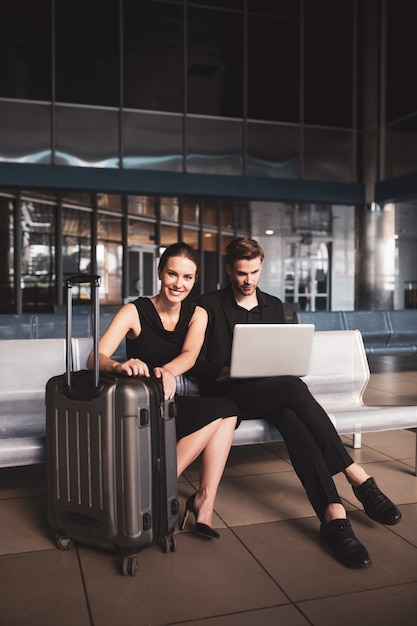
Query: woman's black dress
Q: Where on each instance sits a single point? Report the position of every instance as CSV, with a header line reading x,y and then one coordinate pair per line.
x,y
157,346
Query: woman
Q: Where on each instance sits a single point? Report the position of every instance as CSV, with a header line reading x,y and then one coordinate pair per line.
x,y
164,335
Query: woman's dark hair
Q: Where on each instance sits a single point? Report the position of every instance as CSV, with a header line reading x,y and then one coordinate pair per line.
x,y
243,248
179,249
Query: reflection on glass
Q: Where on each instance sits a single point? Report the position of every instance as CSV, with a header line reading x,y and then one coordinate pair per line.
x,y
227,218
273,150
6,255
109,267
76,247
38,255
109,201
140,232
77,197
190,236
401,147
210,212
25,132
141,205
152,141
109,227
224,242
87,137
242,218
170,209
328,155
169,235
214,146
209,241
191,211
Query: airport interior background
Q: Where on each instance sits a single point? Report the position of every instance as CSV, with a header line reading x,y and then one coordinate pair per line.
x,y
126,126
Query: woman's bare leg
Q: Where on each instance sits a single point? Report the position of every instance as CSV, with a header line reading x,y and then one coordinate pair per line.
x,y
213,442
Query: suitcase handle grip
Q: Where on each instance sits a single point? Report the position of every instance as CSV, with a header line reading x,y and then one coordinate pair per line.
x,y
94,281
79,279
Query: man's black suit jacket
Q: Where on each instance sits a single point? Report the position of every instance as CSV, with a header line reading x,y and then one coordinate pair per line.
x,y
217,346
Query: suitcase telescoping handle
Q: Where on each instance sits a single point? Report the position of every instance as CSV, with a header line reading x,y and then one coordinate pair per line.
x,y
94,281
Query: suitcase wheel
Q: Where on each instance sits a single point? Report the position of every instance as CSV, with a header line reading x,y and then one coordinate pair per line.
x,y
130,566
63,542
169,542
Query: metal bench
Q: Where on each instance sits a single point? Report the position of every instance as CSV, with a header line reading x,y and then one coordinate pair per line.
x,y
383,332
338,376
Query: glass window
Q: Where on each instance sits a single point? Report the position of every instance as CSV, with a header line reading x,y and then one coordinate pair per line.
x,y
87,52
109,257
329,41
210,277
242,218
152,141
170,209
78,197
25,50
224,242
141,232
273,68
273,150
328,155
109,227
25,132
6,255
76,245
215,62
214,146
169,235
153,56
87,137
401,157
401,97
141,205
109,201
38,255
227,217
210,213
281,8
191,211
190,236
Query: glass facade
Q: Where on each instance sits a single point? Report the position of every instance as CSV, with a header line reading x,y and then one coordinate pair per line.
x,y
180,86
276,93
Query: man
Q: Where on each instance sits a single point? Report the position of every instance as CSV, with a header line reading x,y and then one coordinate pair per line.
x,y
314,446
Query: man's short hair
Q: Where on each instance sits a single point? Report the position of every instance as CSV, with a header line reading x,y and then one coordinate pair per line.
x,y
243,248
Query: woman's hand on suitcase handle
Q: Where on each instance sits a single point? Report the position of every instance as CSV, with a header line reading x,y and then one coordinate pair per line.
x,y
132,367
169,382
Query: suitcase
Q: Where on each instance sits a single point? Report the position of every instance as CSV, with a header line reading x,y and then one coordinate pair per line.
x,y
111,456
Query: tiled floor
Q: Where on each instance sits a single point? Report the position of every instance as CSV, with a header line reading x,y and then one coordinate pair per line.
x,y
268,567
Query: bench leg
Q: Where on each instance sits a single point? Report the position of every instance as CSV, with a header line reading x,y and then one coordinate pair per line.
x,y
357,440
416,453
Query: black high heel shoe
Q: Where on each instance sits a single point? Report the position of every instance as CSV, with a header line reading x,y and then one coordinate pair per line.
x,y
200,529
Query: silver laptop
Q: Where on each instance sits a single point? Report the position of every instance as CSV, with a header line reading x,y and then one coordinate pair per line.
x,y
270,350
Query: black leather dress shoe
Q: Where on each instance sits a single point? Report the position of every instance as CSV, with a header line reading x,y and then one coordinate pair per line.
x,y
341,541
376,504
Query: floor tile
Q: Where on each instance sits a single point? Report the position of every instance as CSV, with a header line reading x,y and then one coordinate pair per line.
x,y
42,589
23,525
201,579
287,615
262,498
291,553
381,607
